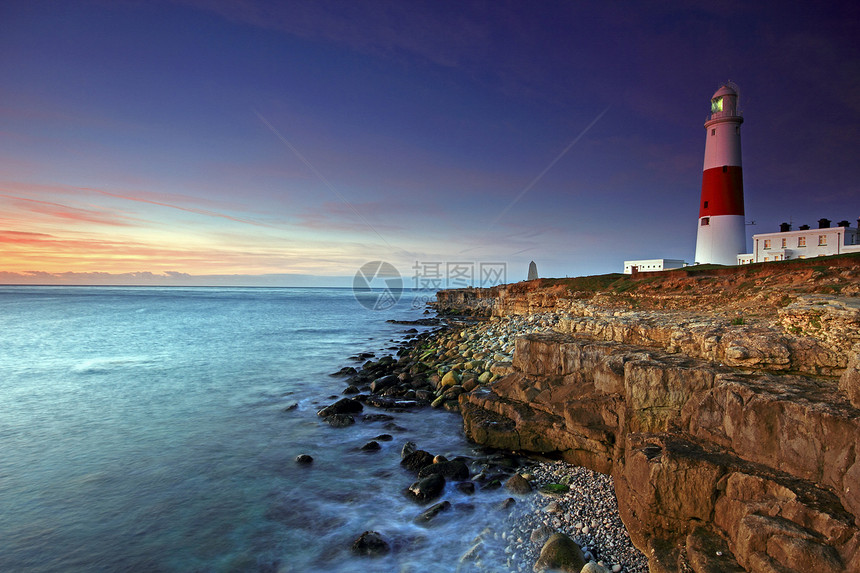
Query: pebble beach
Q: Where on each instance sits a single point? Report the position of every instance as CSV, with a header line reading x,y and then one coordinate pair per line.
x,y
547,497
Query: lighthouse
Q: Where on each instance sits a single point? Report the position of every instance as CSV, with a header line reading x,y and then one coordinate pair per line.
x,y
722,234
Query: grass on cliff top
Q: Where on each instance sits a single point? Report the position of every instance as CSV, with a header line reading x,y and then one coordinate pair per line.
x,y
620,283
593,283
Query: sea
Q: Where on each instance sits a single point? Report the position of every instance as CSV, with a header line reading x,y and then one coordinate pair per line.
x,y
156,429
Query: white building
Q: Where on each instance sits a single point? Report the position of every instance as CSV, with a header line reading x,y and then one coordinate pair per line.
x,y
652,265
803,243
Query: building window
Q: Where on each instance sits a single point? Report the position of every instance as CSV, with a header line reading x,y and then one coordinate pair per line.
x,y
783,243
706,221
801,241
822,240
725,168
738,129
767,243
706,204
713,132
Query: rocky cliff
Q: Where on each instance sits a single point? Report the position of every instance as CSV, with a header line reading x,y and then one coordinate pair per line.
x,y
724,402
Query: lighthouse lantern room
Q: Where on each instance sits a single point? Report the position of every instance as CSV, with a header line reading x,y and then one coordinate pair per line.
x,y
721,233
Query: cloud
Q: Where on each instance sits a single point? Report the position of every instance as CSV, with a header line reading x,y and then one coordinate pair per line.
x,y
169,201
23,238
66,212
198,211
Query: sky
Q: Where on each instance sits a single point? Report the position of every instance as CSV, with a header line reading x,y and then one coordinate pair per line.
x,y
289,143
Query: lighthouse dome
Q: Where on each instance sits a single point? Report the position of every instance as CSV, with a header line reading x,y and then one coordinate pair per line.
x,y
724,91
724,102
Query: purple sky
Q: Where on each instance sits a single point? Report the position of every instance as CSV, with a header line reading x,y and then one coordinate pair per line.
x,y
269,138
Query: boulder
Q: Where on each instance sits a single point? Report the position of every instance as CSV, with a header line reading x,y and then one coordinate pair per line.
x,y
541,533
455,470
470,384
427,489
507,503
560,553
383,383
427,516
518,484
371,446
342,406
466,487
345,371
339,420
390,403
417,460
371,544
593,567
407,449
304,459
451,378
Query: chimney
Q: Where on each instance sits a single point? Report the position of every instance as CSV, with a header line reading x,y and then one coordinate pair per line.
x,y
844,224
784,227
804,227
824,223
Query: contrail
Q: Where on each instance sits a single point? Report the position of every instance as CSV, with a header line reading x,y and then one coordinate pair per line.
x,y
320,175
548,167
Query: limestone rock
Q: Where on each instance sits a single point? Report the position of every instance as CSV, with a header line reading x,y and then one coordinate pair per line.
x,y
849,382
723,402
680,436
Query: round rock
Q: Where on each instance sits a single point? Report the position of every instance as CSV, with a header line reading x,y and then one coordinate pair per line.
x,y
518,484
560,553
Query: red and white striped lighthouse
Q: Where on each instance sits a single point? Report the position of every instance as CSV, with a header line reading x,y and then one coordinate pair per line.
x,y
722,232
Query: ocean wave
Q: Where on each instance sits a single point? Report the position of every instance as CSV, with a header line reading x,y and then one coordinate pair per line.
x,y
109,364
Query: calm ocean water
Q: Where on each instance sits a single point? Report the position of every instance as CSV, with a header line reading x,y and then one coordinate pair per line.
x,y
146,429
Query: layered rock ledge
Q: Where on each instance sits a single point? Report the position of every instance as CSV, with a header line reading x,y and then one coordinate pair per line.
x,y
732,438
